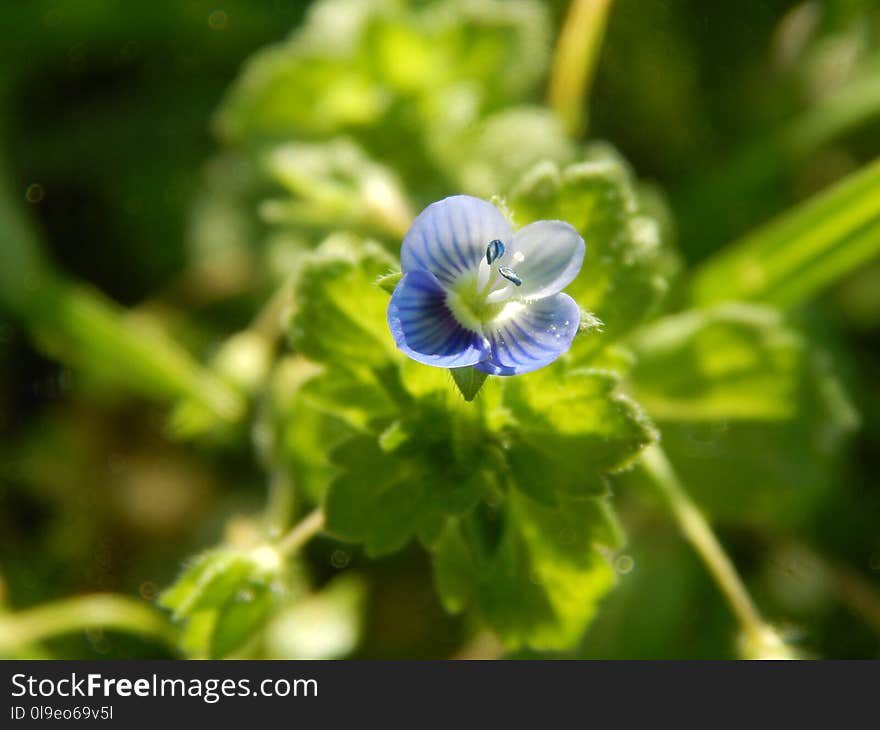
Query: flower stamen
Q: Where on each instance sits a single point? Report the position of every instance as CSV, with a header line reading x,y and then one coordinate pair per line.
x,y
495,250
510,275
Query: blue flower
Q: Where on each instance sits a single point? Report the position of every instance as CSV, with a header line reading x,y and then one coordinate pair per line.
x,y
473,292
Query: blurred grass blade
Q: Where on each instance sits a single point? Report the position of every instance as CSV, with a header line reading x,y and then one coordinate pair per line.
x,y
766,164
797,254
18,631
852,105
86,330
22,263
574,61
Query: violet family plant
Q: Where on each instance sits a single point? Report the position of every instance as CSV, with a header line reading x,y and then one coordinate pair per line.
x,y
425,379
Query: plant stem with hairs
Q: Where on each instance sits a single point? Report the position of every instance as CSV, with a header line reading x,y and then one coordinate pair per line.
x,y
759,640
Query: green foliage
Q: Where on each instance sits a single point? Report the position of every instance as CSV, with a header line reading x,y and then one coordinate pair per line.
x,y
628,263
335,185
407,458
23,265
408,83
485,159
332,140
419,461
83,328
381,50
536,575
751,415
388,282
568,428
224,597
734,362
802,251
384,500
339,315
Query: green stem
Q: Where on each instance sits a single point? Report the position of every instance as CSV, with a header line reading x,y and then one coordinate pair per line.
x,y
108,611
574,62
279,505
301,533
759,639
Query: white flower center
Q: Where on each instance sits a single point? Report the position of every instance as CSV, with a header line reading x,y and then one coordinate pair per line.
x,y
481,301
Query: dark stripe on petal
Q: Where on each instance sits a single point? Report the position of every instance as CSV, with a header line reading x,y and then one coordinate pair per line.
x,y
534,337
423,326
449,237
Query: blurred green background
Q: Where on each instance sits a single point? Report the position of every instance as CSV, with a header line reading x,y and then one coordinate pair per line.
x,y
736,110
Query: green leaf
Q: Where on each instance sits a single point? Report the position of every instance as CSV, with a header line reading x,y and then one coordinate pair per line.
x,y
240,618
469,381
628,262
383,500
303,87
208,582
355,65
335,185
484,158
410,83
224,597
214,576
800,252
733,362
195,637
568,429
340,314
650,613
538,584
357,401
303,430
498,44
744,459
306,436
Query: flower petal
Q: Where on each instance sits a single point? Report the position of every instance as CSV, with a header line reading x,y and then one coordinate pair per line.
x,y
424,328
450,237
546,256
534,336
